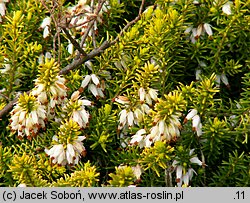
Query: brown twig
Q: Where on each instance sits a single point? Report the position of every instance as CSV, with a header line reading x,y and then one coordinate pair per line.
x,y
93,30
130,23
81,60
4,96
8,107
74,42
91,24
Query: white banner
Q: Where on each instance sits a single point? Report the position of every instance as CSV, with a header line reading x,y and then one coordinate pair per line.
x,y
116,195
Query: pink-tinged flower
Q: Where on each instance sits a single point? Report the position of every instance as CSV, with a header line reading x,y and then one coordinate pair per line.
x,y
224,79
45,25
138,138
190,115
195,160
142,94
221,77
153,94
138,115
137,170
46,22
123,118
130,118
93,89
162,127
70,48
154,133
95,80
148,141
148,100
198,74
208,29
196,122
217,80
226,8
145,108
22,185
188,30
122,100
188,176
86,81
199,130
199,31
3,8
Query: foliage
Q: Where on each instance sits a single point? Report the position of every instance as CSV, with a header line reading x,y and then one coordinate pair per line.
x,y
121,93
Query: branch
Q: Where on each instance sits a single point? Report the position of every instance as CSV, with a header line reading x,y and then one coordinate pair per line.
x,y
80,60
74,42
4,96
130,23
90,25
8,107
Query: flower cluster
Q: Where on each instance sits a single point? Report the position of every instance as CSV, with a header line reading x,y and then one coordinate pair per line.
x,y
82,14
67,145
28,116
166,124
184,175
138,139
75,108
130,116
50,88
196,33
